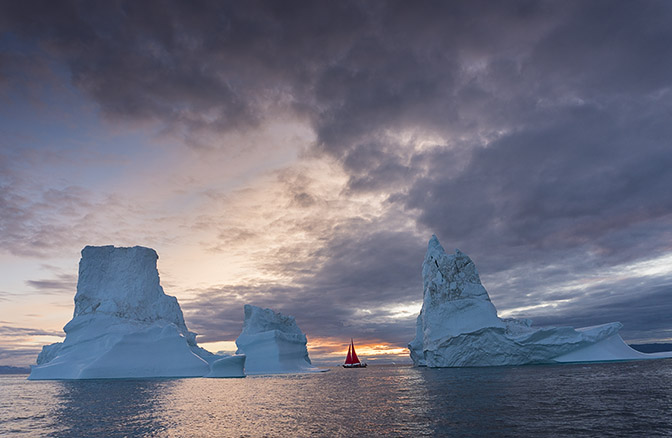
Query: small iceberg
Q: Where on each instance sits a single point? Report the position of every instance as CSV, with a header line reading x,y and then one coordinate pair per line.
x,y
273,343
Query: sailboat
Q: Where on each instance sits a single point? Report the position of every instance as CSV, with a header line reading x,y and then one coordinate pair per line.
x,y
351,360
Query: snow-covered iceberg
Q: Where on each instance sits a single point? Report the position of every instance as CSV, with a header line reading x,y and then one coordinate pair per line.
x,y
272,343
458,325
124,325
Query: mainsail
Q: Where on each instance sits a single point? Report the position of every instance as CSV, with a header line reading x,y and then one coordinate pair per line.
x,y
348,359
351,360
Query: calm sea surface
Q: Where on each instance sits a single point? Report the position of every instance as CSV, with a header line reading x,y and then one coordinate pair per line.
x,y
615,399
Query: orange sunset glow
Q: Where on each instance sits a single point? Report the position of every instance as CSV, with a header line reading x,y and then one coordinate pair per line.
x,y
329,349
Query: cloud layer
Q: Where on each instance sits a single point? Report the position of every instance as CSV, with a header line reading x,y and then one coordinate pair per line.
x,y
534,136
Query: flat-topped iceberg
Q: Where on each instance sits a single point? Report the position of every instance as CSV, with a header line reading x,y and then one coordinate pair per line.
x,y
125,326
458,325
272,343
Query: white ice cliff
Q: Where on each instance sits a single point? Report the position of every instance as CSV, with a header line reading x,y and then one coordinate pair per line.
x,y
124,325
458,325
272,343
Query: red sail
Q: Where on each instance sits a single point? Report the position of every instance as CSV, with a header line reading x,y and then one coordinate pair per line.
x,y
355,359
348,359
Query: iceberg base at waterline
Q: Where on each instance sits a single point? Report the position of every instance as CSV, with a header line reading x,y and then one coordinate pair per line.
x,y
458,325
611,348
125,326
101,347
227,366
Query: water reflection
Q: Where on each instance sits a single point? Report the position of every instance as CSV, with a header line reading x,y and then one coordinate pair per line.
x,y
571,400
358,402
24,408
608,399
108,407
475,401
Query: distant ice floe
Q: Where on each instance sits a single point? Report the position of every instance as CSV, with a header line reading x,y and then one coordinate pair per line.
x,y
458,325
273,343
125,326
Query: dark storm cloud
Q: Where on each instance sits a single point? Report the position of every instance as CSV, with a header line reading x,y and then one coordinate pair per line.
x,y
559,187
27,225
5,296
352,68
643,309
18,356
14,351
360,277
23,331
194,66
549,122
40,221
62,283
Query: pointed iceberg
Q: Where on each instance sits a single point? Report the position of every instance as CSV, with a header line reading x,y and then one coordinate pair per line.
x,y
124,325
458,325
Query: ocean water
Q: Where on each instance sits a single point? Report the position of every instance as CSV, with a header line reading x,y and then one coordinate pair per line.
x,y
601,400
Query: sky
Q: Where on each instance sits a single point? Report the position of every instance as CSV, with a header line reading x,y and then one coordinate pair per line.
x,y
299,155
